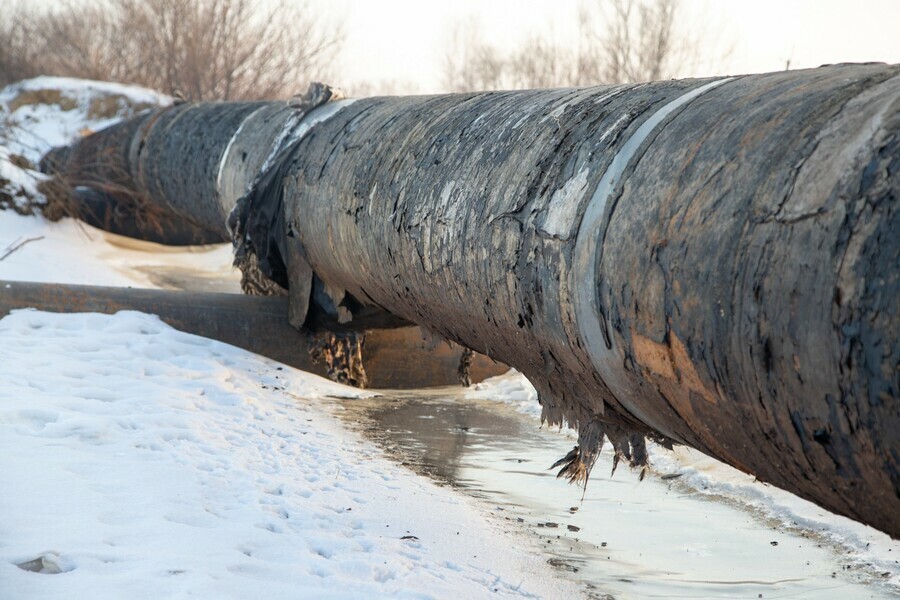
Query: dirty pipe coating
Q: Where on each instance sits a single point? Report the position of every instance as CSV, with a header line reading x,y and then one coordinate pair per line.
x,y
713,262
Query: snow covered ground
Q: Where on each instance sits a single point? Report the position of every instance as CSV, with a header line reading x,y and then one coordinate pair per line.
x,y
137,461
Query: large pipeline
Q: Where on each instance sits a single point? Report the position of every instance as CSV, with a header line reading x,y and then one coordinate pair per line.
x,y
713,262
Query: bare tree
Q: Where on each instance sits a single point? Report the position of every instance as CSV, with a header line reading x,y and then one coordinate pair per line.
x,y
80,41
640,42
19,56
199,49
540,63
470,64
618,41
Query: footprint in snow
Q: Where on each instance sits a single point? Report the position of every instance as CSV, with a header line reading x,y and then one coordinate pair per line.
x,y
47,564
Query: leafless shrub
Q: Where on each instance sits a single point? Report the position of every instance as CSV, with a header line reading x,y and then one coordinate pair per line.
x,y
197,49
472,64
541,64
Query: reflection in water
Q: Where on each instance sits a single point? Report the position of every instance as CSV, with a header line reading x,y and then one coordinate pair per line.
x,y
431,436
170,277
626,539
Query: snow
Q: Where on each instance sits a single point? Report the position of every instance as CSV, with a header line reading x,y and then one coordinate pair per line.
x,y
72,252
16,181
511,388
138,461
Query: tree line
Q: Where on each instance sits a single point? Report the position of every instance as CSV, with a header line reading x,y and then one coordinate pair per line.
x,y
248,50
194,49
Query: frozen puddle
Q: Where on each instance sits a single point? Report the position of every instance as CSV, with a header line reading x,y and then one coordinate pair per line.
x,y
626,539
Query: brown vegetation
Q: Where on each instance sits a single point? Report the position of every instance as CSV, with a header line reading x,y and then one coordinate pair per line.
x,y
195,49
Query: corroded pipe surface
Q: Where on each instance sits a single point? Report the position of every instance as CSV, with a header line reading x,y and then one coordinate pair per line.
x,y
713,262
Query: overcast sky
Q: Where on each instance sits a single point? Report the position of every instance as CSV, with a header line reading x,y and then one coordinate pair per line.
x,y
404,41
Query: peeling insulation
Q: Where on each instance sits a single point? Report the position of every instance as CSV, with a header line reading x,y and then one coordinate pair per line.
x,y
342,357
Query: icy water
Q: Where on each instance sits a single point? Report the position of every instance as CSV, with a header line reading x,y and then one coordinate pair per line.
x,y
625,539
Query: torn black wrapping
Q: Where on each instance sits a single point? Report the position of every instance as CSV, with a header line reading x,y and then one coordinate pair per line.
x,y
263,245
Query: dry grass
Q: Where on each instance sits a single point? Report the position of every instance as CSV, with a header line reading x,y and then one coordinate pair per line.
x,y
105,178
39,97
115,105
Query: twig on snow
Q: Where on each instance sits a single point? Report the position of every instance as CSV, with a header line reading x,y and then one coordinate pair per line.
x,y
18,244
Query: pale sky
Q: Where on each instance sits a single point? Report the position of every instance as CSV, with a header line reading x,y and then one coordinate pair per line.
x,y
404,41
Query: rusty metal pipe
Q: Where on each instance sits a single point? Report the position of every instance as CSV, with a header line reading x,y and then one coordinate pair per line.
x,y
397,357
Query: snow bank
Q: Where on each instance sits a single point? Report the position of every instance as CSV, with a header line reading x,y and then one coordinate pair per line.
x,y
859,544
511,388
69,251
51,111
137,461
38,114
